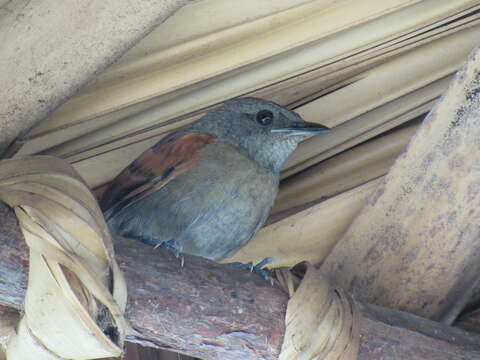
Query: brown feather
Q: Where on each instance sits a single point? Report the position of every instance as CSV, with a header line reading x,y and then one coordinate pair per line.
x,y
154,168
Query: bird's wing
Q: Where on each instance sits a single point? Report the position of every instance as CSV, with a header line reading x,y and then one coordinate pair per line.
x,y
154,169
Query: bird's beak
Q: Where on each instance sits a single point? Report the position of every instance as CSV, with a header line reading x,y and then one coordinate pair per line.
x,y
303,128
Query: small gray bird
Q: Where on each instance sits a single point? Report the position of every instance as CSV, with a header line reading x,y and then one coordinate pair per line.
x,y
207,188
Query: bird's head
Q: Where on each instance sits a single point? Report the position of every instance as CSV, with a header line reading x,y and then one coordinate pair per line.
x,y
266,131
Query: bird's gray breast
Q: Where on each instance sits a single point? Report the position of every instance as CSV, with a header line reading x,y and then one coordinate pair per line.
x,y
211,210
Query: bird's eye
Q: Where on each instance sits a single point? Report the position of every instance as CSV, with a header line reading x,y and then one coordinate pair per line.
x,y
264,117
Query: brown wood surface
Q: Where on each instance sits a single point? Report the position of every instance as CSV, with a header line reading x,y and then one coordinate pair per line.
x,y
138,352
387,334
203,309
217,312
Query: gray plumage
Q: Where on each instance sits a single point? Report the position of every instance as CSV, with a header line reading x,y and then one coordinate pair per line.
x,y
206,189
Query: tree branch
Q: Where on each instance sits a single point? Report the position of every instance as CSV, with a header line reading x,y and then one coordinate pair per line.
x,y
215,311
203,309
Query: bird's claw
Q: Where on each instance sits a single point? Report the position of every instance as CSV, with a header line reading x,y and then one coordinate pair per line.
x,y
174,249
258,269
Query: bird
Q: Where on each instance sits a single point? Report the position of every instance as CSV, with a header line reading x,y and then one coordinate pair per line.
x,y
207,188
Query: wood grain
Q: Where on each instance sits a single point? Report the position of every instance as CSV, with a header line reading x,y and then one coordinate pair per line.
x,y
195,310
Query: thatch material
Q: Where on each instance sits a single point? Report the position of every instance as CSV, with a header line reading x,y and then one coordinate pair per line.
x,y
49,49
306,49
364,68
76,294
414,245
321,323
332,72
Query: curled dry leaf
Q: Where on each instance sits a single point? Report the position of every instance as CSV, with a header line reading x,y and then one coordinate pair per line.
x,y
322,323
76,294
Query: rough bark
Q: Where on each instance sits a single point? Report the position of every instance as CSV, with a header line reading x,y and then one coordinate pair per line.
x,y
214,311
8,319
203,309
63,45
387,334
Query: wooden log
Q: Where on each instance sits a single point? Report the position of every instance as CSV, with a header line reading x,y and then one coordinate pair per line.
x,y
203,309
217,312
8,319
138,352
414,246
387,334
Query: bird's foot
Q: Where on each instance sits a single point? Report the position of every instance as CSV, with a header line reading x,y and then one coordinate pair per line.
x,y
172,245
264,273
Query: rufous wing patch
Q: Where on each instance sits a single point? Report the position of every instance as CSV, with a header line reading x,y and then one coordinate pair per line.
x,y
154,168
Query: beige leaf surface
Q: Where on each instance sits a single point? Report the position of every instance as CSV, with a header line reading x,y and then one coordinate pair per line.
x,y
73,301
321,323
